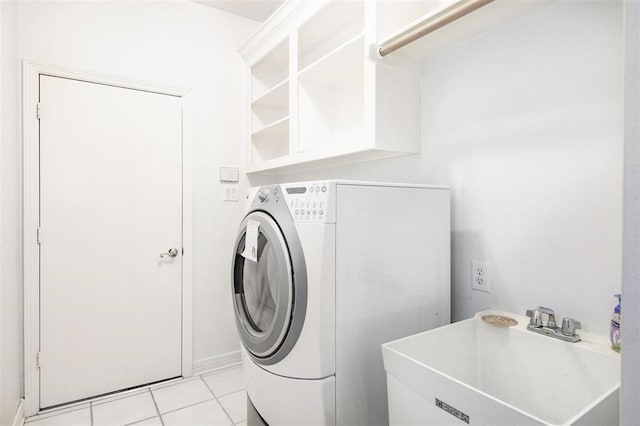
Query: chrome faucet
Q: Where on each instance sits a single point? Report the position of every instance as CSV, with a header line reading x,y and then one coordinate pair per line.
x,y
569,326
566,333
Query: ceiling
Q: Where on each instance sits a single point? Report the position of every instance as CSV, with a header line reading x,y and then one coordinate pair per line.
x,y
257,10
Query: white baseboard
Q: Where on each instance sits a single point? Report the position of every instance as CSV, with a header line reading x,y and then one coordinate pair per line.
x,y
218,362
18,420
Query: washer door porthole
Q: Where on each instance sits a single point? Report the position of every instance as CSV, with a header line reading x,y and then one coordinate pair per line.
x,y
263,290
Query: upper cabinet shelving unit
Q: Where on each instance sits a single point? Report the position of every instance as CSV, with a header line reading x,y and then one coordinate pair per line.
x,y
312,91
319,94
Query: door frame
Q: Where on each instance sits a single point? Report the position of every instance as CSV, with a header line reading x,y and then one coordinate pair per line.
x,y
31,211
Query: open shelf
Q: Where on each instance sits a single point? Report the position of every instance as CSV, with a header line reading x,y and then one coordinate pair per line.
x,y
336,23
331,101
270,71
271,141
346,59
274,97
271,106
275,128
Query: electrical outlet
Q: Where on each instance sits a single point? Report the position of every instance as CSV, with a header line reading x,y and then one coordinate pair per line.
x,y
480,276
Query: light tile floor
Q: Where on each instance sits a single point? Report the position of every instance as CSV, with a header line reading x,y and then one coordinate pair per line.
x,y
210,399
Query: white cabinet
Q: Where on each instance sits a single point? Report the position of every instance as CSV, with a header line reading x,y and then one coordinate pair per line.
x,y
316,97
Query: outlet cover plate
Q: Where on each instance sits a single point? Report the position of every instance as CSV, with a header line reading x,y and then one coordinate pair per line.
x,y
480,279
230,193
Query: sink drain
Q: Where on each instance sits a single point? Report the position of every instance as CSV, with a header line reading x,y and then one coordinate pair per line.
x,y
499,320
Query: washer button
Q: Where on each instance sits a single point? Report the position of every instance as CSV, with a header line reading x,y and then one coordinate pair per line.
x,y
314,212
308,212
324,189
275,191
321,212
297,211
317,189
311,189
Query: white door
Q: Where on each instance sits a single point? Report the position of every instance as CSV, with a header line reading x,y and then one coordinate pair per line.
x,y
110,204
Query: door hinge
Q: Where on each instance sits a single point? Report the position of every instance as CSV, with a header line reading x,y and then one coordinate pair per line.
x,y
38,235
39,110
39,359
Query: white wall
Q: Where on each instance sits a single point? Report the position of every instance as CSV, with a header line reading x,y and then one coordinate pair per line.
x,y
630,409
10,220
176,43
525,124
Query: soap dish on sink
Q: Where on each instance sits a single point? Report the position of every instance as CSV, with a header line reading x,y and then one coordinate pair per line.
x,y
499,320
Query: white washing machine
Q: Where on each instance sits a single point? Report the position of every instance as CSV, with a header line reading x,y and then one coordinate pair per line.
x,y
323,273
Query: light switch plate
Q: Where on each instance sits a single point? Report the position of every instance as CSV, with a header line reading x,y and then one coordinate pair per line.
x,y
229,174
230,193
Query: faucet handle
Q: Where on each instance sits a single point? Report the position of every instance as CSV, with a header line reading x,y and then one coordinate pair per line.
x,y
551,317
536,317
569,326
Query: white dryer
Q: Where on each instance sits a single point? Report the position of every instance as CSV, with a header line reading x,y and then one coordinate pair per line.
x,y
339,268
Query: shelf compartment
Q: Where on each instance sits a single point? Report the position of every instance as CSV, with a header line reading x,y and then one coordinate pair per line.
x,y
270,71
271,106
329,66
336,23
331,101
271,141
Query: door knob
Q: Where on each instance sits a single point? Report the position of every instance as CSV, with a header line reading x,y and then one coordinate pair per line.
x,y
173,252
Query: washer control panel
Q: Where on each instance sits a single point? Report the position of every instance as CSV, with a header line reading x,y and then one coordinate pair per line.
x,y
309,201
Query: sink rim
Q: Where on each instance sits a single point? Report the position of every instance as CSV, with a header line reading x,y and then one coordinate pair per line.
x,y
590,343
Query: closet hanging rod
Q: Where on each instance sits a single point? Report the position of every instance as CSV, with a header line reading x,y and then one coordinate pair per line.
x,y
430,25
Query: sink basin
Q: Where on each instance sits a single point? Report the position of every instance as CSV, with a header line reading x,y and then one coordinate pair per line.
x,y
476,373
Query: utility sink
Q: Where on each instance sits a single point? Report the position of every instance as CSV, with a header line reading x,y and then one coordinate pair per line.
x,y
480,374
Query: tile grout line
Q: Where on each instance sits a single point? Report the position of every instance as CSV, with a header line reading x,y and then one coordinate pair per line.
x,y
224,394
232,392
141,420
213,398
186,406
119,396
156,405
217,400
